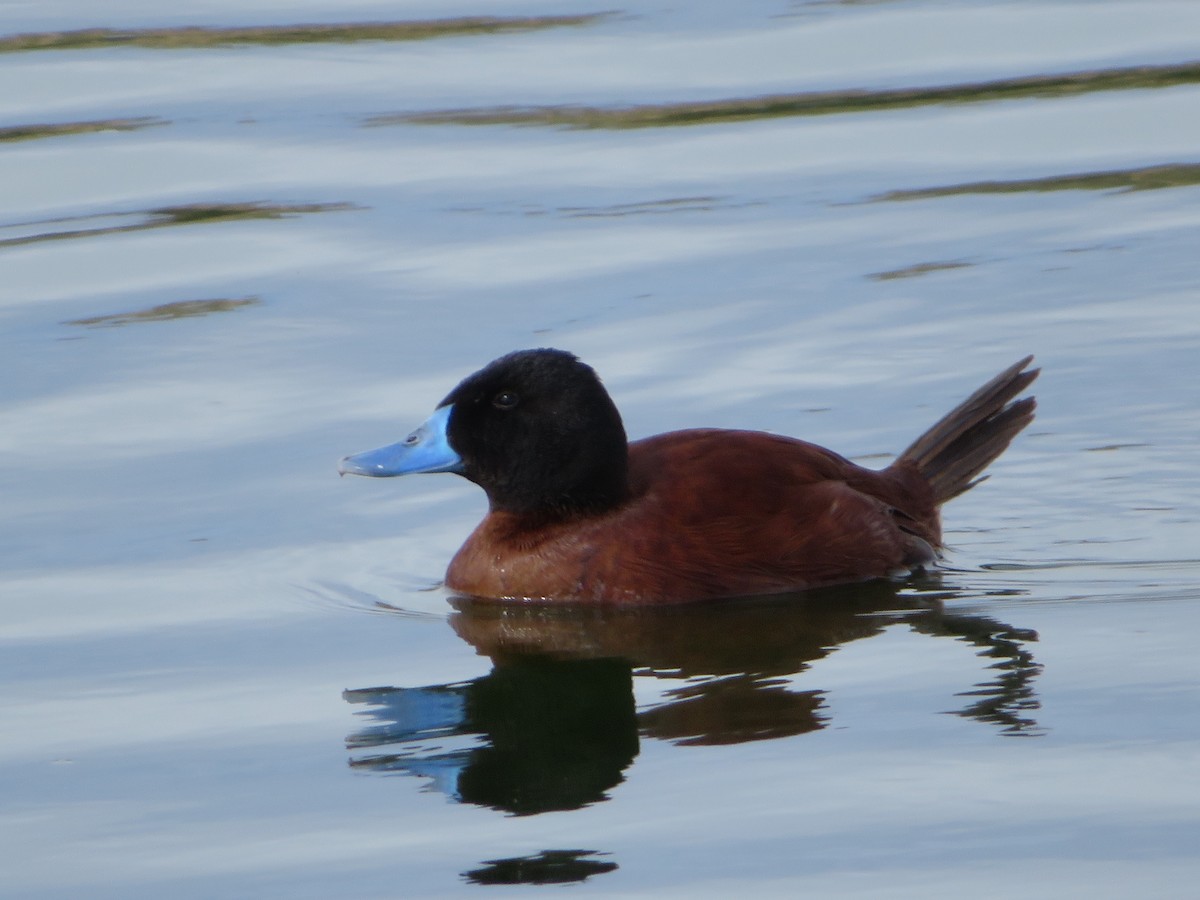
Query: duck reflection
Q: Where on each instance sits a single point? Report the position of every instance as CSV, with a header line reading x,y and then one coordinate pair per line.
x,y
540,734
554,725
547,867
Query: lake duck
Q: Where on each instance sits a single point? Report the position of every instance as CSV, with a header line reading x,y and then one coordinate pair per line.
x,y
579,514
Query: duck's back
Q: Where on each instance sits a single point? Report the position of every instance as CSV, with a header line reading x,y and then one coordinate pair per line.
x,y
712,513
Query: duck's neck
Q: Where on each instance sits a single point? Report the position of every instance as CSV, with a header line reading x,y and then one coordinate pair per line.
x,y
590,481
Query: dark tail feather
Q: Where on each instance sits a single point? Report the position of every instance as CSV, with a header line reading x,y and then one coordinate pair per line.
x,y
961,445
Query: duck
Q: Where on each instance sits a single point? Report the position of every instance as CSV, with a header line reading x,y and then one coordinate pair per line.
x,y
577,513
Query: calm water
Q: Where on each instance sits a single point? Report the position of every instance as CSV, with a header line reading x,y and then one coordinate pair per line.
x,y
226,259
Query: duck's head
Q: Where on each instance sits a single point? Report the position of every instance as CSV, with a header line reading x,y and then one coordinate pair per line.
x,y
535,429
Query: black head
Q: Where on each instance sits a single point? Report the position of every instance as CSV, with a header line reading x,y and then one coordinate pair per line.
x,y
538,432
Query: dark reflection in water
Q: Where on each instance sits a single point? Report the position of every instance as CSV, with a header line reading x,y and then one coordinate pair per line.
x,y
179,309
38,130
918,269
97,224
547,867
553,726
1144,178
550,735
197,37
809,103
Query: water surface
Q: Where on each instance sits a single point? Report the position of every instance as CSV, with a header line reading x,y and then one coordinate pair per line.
x,y
236,247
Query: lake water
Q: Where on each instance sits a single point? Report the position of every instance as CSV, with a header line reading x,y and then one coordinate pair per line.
x,y
228,257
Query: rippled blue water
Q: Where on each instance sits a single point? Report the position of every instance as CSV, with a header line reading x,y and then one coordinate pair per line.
x,y
226,672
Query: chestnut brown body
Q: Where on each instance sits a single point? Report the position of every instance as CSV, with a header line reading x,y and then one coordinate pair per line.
x,y
712,514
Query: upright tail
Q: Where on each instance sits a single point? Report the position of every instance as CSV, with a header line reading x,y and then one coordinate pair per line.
x,y
961,445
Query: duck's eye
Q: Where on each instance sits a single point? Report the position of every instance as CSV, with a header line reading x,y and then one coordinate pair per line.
x,y
505,400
